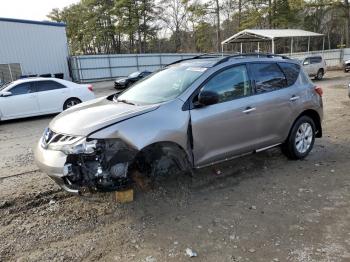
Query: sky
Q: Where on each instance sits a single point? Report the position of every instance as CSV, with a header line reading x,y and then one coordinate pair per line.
x,y
31,9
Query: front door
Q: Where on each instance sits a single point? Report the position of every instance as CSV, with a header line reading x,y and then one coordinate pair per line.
x,y
230,126
21,103
308,67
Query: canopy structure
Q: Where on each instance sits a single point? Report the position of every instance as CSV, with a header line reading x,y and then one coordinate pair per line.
x,y
269,35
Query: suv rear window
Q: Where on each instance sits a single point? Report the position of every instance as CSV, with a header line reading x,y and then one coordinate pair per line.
x,y
291,71
268,77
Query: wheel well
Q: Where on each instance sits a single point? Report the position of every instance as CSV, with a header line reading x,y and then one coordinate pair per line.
x,y
162,156
72,98
315,117
321,69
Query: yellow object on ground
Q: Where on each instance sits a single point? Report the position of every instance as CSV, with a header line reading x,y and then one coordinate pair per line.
x,y
125,196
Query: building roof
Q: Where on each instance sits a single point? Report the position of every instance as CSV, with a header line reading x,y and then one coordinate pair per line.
x,y
255,35
48,23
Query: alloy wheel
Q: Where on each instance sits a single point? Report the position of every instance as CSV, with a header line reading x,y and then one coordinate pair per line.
x,y
303,137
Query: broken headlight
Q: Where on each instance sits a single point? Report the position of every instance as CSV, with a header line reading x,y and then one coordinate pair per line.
x,y
81,147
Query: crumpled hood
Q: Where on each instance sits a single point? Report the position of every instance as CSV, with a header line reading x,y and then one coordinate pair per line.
x,y
85,118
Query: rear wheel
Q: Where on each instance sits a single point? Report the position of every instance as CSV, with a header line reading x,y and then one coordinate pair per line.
x,y
71,102
319,74
301,139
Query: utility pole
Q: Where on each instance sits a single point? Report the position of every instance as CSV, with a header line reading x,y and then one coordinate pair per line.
x,y
218,33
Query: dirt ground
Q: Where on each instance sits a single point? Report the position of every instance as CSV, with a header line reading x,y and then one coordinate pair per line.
x,y
258,208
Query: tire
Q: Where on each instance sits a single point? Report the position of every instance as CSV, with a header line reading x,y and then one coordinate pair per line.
x,y
71,102
304,131
319,74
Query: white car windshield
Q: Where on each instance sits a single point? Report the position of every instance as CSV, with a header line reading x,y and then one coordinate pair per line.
x,y
162,86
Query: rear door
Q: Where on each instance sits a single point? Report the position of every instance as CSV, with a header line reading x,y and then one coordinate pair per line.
x,y
228,127
51,96
23,101
277,100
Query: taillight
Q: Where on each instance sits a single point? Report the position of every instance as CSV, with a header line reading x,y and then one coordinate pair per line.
x,y
90,87
319,90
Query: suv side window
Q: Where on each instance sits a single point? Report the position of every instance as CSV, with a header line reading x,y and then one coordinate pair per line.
x,y
230,84
48,85
22,89
291,71
316,60
268,77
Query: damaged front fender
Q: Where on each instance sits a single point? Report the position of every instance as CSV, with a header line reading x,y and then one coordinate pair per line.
x,y
104,169
113,162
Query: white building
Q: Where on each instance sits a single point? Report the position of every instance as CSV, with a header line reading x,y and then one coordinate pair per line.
x,y
32,48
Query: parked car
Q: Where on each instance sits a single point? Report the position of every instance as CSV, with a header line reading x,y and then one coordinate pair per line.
x,y
39,96
346,66
191,114
124,82
315,66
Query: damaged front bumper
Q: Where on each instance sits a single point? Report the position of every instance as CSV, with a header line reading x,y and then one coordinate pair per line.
x,y
102,168
52,163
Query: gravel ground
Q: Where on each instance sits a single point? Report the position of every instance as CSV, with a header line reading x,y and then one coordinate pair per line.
x,y
258,208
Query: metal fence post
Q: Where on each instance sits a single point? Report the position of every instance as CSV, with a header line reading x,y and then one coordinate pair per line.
x,y
80,73
137,62
110,66
10,71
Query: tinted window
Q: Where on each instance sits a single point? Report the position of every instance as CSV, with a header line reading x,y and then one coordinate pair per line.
x,y
230,84
48,85
21,89
316,59
291,71
268,77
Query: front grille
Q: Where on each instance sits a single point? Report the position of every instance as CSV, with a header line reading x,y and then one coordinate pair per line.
x,y
50,137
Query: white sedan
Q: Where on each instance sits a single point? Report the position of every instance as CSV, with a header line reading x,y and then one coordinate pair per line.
x,y
40,96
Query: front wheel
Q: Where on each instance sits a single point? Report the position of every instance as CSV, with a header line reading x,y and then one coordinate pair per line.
x,y
71,102
301,139
319,74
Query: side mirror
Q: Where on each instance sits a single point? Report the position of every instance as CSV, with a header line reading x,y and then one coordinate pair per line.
x,y
306,62
5,94
207,98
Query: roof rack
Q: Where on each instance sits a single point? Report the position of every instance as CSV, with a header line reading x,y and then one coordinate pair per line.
x,y
202,56
241,55
226,57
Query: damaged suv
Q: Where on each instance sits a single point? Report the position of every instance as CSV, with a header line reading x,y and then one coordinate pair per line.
x,y
192,113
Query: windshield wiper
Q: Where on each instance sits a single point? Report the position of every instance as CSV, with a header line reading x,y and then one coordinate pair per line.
x,y
126,102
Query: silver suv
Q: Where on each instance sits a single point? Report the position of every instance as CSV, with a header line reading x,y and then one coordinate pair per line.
x,y
191,114
315,66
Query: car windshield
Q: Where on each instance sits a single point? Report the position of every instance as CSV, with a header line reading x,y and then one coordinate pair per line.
x,y
135,74
162,86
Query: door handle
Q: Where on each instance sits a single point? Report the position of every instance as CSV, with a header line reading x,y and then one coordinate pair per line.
x,y
248,110
294,98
